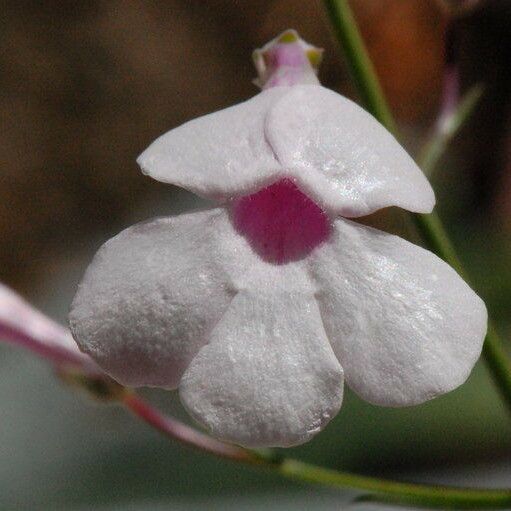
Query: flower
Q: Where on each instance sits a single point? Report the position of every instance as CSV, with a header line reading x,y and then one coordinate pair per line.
x,y
258,309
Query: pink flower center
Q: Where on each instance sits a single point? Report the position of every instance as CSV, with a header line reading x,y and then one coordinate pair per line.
x,y
281,223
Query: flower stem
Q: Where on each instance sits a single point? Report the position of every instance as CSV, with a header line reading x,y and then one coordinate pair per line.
x,y
381,490
182,433
359,64
430,226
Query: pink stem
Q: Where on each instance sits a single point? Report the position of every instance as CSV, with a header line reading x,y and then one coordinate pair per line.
x,y
23,325
183,433
450,96
53,353
451,82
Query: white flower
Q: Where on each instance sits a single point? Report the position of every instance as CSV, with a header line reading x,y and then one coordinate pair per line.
x,y
257,310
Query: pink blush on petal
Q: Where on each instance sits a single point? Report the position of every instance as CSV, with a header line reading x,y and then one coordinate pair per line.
x,y
281,223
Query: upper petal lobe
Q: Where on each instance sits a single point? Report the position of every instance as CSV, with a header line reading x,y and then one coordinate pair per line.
x,y
219,155
342,156
335,151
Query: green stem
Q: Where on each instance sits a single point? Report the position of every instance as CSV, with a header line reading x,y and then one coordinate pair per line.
x,y
360,66
437,240
381,490
430,226
497,361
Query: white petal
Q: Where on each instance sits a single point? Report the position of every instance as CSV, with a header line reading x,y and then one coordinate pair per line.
x,y
219,155
342,157
403,324
151,296
269,376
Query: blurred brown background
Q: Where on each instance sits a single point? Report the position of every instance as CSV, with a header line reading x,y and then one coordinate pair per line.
x,y
86,86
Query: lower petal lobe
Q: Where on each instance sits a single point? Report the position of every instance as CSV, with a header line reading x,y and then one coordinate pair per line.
x,y
269,376
151,296
403,323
